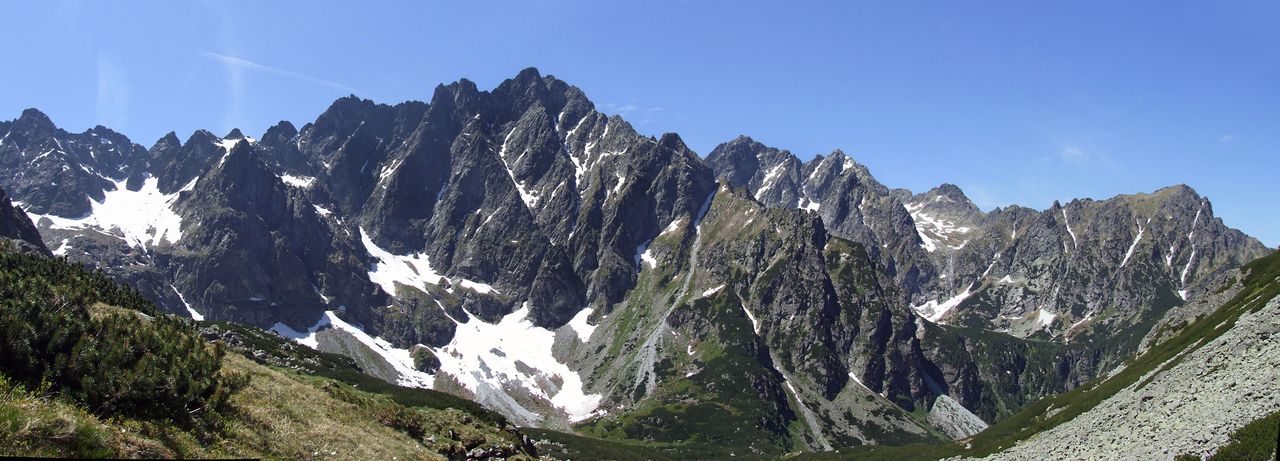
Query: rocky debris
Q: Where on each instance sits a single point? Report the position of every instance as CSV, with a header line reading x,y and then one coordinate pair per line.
x,y
954,419
1190,409
1229,285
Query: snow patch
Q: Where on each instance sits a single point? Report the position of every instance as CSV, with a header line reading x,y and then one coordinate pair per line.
x,y
580,326
1137,239
399,359
1045,318
645,255
142,218
769,179
301,182
859,381
674,226
617,187
492,356
934,310
530,199
927,243
227,144
1067,223
194,315
412,270
755,324
477,286
62,248
1080,322
932,229
1186,270
322,211
712,291
807,204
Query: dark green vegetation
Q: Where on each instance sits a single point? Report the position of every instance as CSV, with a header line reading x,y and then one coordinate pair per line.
x,y
560,445
702,410
1255,441
72,332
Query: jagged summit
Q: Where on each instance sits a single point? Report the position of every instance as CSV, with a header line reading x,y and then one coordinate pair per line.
x,y
33,119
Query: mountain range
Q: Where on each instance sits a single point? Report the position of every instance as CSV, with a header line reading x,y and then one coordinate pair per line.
x,y
521,249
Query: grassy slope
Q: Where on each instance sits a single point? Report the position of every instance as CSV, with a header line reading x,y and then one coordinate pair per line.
x,y
281,414
282,411
1260,285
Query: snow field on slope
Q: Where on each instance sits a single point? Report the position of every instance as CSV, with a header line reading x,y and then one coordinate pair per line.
x,y
399,359
142,218
493,354
412,270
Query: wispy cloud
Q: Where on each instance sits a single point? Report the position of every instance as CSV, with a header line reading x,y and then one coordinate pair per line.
x,y
113,93
1226,138
629,109
236,65
1073,153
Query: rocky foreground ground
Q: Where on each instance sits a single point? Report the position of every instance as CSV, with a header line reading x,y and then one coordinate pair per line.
x,y
1189,409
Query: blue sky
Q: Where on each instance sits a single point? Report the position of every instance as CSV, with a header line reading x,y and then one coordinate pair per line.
x,y
1016,102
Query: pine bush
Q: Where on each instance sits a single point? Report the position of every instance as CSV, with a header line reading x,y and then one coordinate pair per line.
x,y
128,361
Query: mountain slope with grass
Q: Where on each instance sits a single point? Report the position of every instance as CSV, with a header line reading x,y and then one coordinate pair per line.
x,y
90,369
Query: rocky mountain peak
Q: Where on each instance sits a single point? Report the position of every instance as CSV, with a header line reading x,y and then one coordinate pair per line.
x,y
740,160
456,94
234,134
201,137
169,140
279,133
33,121
950,191
946,200
672,141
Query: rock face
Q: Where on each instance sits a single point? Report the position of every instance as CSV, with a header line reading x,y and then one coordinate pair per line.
x,y
1097,271
851,202
1191,408
16,227
954,419
520,248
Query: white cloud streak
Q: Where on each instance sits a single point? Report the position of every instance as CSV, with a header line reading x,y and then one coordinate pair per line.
x,y
628,109
237,65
